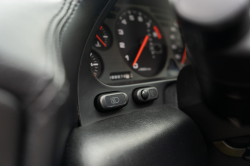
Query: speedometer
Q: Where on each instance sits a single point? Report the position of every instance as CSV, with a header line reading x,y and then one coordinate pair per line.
x,y
141,42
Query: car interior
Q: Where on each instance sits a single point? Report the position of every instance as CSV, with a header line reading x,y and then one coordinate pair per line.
x,y
124,83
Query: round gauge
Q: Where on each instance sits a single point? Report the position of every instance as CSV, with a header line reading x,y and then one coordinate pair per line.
x,y
141,42
96,64
103,38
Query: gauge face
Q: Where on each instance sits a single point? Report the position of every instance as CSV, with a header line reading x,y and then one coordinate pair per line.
x,y
96,64
141,42
103,38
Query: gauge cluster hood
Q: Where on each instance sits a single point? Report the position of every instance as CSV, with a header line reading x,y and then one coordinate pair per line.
x,y
159,136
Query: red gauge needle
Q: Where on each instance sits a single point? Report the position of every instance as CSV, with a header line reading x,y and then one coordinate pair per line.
x,y
101,40
141,49
158,32
184,57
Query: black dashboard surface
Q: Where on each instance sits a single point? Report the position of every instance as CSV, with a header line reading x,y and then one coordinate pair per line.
x,y
89,87
115,70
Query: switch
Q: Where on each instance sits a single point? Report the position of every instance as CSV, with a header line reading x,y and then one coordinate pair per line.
x,y
111,101
143,95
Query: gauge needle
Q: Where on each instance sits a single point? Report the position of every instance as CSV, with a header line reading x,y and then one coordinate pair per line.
x,y
158,32
141,49
184,57
101,40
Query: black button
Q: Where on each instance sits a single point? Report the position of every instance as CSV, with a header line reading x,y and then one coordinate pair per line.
x,y
115,100
144,94
111,101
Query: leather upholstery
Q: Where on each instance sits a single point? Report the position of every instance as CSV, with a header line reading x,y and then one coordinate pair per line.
x,y
10,127
31,68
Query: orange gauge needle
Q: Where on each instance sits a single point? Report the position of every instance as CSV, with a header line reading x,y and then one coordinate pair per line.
x,y
101,40
141,49
158,32
184,57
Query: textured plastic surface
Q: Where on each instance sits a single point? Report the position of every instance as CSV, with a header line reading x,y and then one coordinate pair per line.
x,y
157,136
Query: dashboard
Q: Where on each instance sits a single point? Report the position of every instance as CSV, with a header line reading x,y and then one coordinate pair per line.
x,y
138,42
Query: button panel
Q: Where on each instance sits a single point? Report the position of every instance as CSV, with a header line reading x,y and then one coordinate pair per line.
x,y
111,101
144,95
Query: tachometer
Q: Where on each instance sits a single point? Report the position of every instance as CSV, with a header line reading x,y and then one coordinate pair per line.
x,y
141,42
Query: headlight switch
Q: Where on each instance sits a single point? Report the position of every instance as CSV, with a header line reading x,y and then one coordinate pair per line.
x,y
143,95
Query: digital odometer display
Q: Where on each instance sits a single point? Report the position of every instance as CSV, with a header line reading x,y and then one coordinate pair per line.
x,y
141,42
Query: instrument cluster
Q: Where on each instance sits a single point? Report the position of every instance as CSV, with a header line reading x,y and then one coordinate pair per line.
x,y
137,43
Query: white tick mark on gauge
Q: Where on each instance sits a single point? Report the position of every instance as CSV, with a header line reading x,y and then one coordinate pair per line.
x,y
172,37
173,29
174,47
177,56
